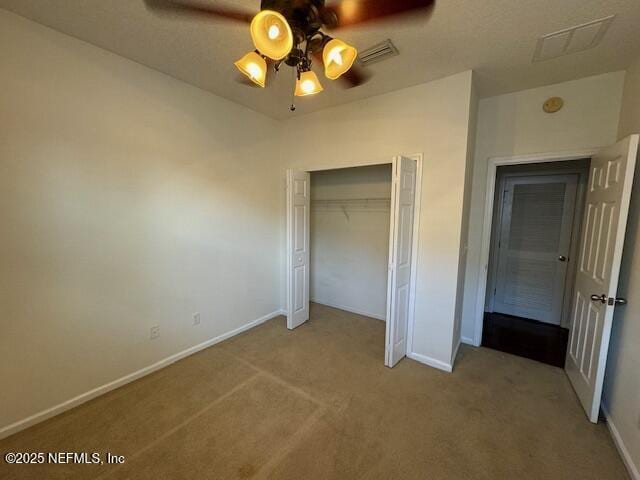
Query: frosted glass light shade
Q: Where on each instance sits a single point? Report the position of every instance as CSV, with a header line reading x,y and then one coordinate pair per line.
x,y
308,84
271,34
254,67
338,58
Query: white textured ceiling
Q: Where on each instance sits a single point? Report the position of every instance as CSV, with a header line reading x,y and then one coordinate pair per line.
x,y
496,38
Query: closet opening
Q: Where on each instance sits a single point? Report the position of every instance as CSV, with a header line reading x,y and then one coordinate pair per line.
x,y
351,237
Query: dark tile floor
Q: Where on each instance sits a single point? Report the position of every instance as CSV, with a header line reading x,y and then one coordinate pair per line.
x,y
539,341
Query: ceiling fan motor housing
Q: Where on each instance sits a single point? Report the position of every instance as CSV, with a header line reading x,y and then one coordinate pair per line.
x,y
295,57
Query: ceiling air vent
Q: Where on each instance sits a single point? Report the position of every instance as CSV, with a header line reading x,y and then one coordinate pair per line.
x,y
572,40
377,53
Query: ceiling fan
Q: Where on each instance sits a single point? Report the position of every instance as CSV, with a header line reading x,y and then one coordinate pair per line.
x,y
290,32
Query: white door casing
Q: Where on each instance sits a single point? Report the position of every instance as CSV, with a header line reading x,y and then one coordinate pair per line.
x,y
601,243
400,251
298,206
534,241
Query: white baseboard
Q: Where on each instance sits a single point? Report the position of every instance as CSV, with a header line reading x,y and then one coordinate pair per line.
x,y
455,354
432,362
634,473
351,310
468,341
101,390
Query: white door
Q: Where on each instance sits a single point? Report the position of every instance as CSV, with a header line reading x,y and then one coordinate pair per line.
x,y
298,203
533,246
401,240
605,220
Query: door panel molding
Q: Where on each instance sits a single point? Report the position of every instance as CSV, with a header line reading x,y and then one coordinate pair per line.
x,y
596,284
298,206
399,283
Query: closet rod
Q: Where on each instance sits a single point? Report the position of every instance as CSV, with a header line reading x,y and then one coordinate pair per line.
x,y
337,201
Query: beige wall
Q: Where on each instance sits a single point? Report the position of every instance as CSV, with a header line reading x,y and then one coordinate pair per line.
x,y
350,241
433,119
128,199
622,380
515,124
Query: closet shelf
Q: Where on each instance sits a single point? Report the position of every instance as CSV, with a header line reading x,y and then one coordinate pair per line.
x,y
352,203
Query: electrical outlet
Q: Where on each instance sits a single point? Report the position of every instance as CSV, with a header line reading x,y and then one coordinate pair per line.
x,y
196,318
155,332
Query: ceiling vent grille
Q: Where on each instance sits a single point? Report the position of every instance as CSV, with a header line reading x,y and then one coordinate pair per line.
x,y
378,53
572,40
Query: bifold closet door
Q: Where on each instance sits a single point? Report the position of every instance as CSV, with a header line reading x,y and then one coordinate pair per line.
x,y
298,206
403,192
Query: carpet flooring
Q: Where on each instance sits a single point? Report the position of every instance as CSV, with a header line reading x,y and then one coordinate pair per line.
x,y
318,403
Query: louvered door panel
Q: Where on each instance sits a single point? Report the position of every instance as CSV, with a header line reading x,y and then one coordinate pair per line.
x,y
535,230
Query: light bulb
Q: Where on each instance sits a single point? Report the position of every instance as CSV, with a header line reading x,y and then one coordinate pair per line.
x,y
254,70
274,32
335,56
307,86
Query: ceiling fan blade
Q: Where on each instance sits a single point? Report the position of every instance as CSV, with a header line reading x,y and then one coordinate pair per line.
x,y
355,12
198,9
354,77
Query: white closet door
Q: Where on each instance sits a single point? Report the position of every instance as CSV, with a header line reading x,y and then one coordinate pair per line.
x,y
403,208
534,243
298,206
594,298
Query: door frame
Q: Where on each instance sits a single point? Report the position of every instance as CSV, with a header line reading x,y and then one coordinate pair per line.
x,y
487,225
418,157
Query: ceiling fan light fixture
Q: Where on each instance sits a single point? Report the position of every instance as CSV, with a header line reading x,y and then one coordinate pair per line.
x,y
253,66
271,34
338,57
308,84
292,33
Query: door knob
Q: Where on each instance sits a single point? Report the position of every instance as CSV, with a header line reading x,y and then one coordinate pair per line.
x,y
599,298
619,302
562,258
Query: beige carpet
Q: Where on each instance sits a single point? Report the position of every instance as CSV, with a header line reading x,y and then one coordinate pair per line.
x,y
318,403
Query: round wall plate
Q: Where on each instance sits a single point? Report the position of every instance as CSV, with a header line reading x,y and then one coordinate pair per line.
x,y
553,105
